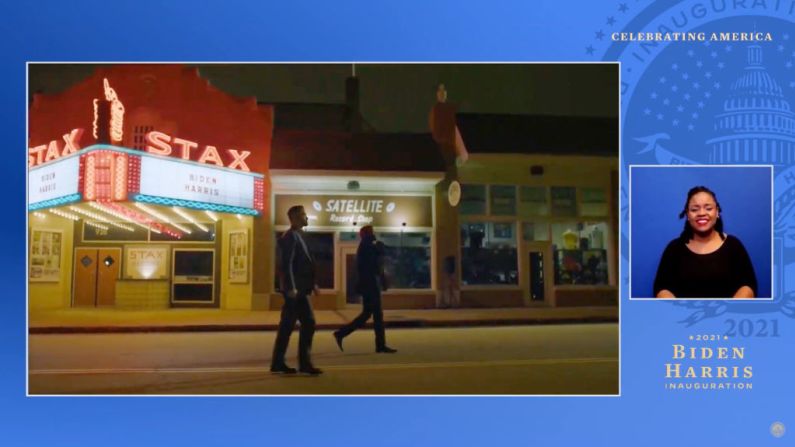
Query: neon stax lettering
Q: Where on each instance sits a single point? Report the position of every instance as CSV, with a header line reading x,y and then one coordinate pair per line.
x,y
161,144
52,151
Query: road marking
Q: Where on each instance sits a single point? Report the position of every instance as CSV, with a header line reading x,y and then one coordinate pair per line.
x,y
369,366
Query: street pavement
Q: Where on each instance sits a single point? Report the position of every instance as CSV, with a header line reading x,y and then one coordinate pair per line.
x,y
548,359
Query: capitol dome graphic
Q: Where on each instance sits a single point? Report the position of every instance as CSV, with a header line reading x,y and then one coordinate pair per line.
x,y
757,125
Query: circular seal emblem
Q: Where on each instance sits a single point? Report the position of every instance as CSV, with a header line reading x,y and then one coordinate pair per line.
x,y
696,102
316,205
390,207
454,193
777,429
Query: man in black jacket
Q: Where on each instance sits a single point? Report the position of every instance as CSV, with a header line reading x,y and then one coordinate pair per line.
x,y
370,270
297,278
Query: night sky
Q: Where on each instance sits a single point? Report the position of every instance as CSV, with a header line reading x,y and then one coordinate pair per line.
x,y
398,97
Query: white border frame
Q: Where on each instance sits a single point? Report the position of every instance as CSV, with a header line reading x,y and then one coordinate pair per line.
x,y
494,62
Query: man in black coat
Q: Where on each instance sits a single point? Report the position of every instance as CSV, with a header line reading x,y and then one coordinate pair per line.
x,y
369,266
297,278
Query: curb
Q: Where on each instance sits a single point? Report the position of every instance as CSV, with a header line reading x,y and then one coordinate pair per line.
x,y
322,326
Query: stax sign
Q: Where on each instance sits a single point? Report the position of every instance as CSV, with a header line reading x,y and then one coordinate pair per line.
x,y
53,151
160,143
157,143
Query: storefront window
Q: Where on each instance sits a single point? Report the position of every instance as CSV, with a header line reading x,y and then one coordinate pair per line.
x,y
408,259
564,201
503,200
535,231
533,201
322,247
473,200
594,202
488,253
580,251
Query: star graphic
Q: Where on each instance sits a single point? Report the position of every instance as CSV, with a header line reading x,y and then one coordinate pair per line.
x,y
699,64
696,85
662,80
666,101
788,64
728,48
653,95
707,43
600,35
695,115
716,85
675,67
781,48
690,127
687,96
685,76
674,88
721,65
785,36
707,94
675,122
691,53
623,7
589,49
647,111
714,54
792,84
660,116
680,109
701,104
708,74
611,20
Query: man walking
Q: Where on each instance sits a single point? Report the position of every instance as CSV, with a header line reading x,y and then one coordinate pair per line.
x,y
370,269
297,279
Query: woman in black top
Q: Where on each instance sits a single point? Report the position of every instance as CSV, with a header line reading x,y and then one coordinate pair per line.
x,y
704,262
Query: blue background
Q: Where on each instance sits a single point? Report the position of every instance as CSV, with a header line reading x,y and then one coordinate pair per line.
x,y
545,30
658,195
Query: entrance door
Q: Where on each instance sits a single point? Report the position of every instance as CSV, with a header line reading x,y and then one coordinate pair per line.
x,y
96,271
537,279
350,279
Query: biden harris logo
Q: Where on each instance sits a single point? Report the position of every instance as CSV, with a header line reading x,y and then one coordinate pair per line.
x,y
707,101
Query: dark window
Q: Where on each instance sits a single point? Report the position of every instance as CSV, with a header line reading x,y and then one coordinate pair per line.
x,y
193,263
503,200
473,200
407,262
488,253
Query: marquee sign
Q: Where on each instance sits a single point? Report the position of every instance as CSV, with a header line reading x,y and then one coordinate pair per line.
x,y
107,174
349,210
54,183
195,182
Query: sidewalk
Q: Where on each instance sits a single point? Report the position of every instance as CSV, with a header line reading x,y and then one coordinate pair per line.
x,y
65,321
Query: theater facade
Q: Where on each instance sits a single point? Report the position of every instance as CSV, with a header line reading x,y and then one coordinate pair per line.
x,y
147,189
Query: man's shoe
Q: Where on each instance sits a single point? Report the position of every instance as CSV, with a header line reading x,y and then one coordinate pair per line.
x,y
282,369
338,337
311,370
386,350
